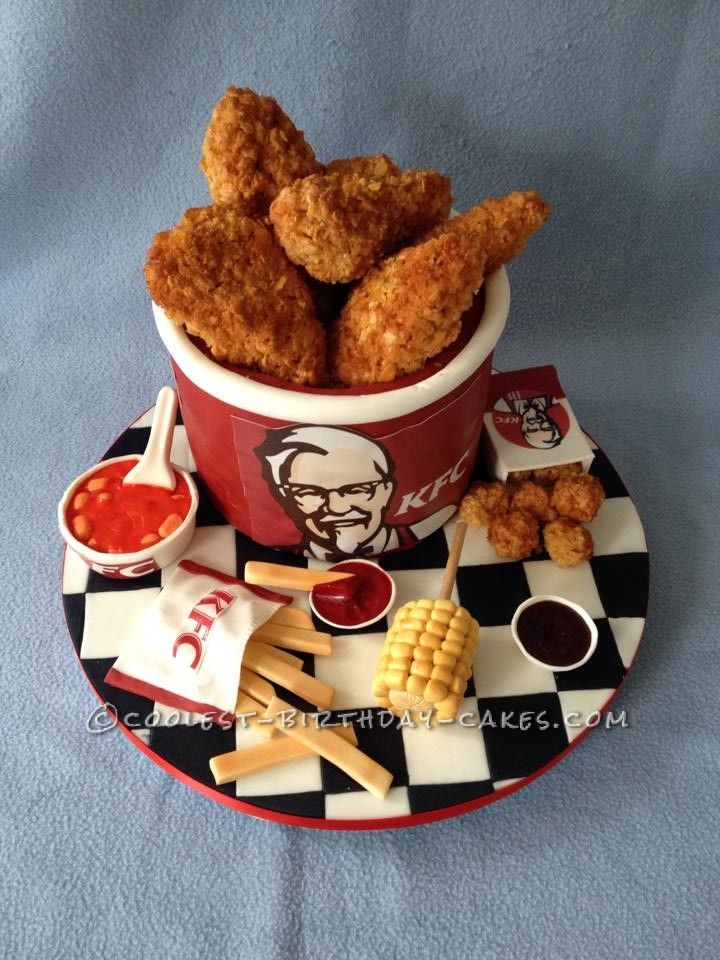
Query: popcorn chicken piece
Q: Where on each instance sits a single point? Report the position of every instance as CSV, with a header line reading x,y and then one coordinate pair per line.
x,y
567,542
547,476
483,501
579,497
535,500
514,535
517,476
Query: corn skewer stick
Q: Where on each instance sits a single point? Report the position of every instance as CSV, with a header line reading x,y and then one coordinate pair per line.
x,y
448,580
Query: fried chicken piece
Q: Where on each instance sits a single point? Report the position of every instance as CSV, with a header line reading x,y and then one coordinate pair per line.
x,y
567,542
337,225
500,227
518,476
533,499
578,497
224,278
377,166
547,476
483,501
252,150
514,534
404,311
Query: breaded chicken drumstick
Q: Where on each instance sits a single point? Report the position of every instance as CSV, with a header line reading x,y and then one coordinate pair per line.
x,y
379,165
500,227
405,310
337,225
252,150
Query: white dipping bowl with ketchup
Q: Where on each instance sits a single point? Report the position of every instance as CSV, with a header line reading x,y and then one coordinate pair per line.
x,y
370,598
134,563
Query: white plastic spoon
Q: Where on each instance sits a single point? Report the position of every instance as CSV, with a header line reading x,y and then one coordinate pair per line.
x,y
153,468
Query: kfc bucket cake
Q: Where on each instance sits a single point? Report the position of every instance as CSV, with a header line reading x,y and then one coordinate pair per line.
x,y
331,350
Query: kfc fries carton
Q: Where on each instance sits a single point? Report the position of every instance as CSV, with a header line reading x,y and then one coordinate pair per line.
x,y
186,652
529,423
339,472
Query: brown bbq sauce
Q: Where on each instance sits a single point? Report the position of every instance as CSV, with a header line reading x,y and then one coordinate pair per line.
x,y
553,633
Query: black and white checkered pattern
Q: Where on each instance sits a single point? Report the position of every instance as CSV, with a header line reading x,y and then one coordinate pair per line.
x,y
432,769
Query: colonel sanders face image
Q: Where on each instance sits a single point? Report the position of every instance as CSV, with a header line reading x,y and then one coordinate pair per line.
x,y
335,485
537,427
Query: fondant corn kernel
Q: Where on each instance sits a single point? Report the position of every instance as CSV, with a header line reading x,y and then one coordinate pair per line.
x,y
430,640
416,686
424,653
426,659
421,668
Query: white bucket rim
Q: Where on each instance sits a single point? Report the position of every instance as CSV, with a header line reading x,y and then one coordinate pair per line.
x,y
337,408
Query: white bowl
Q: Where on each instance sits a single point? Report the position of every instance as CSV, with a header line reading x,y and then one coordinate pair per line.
x,y
120,566
567,603
366,623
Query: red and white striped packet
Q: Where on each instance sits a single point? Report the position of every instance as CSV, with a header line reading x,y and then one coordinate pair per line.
x,y
186,651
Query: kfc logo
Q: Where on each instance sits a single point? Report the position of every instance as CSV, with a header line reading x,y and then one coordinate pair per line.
x,y
530,419
336,486
127,571
199,623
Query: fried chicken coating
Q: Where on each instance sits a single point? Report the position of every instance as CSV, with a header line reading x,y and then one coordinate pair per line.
x,y
501,227
514,535
377,166
252,150
483,501
404,311
547,476
518,476
567,542
223,277
578,497
533,499
337,225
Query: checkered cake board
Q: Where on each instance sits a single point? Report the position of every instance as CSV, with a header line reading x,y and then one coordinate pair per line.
x,y
517,719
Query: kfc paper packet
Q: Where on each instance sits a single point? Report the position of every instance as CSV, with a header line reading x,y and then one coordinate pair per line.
x,y
187,650
529,423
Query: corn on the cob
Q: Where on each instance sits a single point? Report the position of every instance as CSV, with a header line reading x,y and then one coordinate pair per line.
x,y
426,660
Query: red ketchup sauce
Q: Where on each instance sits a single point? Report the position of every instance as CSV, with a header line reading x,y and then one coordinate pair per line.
x,y
353,602
112,518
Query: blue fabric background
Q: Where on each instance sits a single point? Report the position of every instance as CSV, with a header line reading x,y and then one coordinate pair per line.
x,y
610,109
